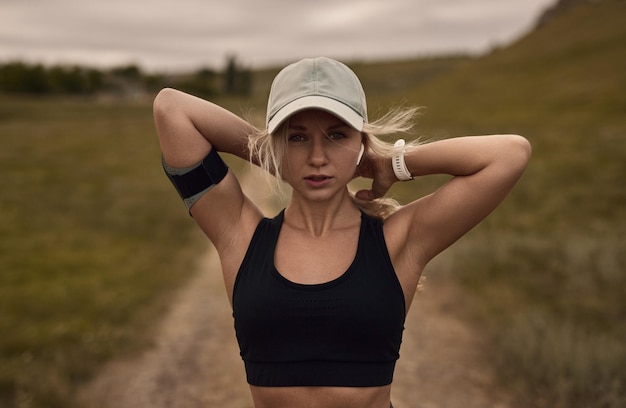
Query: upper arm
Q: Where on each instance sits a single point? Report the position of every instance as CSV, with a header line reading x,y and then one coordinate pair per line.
x,y
181,142
226,215
439,219
188,129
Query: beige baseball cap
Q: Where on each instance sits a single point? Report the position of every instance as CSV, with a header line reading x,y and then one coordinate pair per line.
x,y
317,83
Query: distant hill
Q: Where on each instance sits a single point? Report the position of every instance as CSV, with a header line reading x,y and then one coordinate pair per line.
x,y
561,7
556,247
572,64
563,86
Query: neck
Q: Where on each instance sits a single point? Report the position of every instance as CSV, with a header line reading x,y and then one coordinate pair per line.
x,y
320,217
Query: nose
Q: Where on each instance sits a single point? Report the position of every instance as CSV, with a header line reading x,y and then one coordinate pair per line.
x,y
317,154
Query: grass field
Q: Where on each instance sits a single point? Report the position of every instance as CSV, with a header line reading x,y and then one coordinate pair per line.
x,y
548,268
86,216
93,239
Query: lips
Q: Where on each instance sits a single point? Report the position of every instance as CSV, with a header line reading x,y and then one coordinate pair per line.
x,y
317,180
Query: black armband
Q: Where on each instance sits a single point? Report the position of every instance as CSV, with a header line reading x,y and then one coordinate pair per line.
x,y
193,182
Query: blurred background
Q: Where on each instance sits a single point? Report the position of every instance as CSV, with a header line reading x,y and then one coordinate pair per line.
x,y
163,36
86,213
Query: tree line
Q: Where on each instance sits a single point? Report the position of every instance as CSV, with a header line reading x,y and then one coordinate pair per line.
x,y
19,77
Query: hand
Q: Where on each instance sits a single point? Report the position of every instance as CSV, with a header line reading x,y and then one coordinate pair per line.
x,y
378,169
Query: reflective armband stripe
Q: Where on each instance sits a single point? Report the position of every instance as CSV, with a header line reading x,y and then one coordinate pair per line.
x,y
192,182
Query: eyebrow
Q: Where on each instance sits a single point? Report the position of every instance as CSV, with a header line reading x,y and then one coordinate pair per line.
x,y
333,127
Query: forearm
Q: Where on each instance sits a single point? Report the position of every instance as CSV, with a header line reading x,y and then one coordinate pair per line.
x,y
465,156
189,127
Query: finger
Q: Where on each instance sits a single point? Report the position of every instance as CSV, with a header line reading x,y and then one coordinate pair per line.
x,y
364,195
378,189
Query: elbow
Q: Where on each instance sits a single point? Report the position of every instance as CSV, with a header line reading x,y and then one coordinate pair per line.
x,y
524,148
166,109
518,151
163,102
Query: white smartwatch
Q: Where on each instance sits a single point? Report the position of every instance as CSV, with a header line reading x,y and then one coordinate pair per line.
x,y
399,166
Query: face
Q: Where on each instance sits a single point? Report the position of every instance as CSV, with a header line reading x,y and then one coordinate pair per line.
x,y
321,154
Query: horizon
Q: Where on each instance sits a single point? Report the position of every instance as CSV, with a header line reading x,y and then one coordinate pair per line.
x,y
180,38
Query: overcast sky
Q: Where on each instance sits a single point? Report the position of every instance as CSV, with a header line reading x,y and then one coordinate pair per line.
x,y
166,35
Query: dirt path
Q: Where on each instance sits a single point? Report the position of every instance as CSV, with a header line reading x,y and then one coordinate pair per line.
x,y
195,362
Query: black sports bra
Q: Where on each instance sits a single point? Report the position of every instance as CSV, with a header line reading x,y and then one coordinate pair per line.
x,y
346,332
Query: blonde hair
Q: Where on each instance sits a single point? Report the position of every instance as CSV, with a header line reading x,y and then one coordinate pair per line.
x,y
267,150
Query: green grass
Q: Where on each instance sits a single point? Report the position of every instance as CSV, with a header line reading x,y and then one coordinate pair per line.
x,y
545,274
87,223
93,241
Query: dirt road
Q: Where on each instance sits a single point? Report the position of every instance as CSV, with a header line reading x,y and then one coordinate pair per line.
x,y
195,362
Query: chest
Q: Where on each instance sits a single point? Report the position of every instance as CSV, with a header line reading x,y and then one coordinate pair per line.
x,y
333,299
315,260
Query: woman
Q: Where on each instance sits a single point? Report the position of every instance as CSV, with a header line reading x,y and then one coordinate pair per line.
x,y
320,292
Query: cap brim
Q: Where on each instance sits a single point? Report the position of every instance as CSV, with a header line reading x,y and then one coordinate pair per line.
x,y
329,105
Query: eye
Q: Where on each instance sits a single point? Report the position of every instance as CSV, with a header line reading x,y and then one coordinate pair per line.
x,y
296,137
336,135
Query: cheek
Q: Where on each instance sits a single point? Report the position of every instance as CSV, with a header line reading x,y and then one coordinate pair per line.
x,y
345,158
290,164
295,156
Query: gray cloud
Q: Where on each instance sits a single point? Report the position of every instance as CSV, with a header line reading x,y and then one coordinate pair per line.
x,y
161,34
